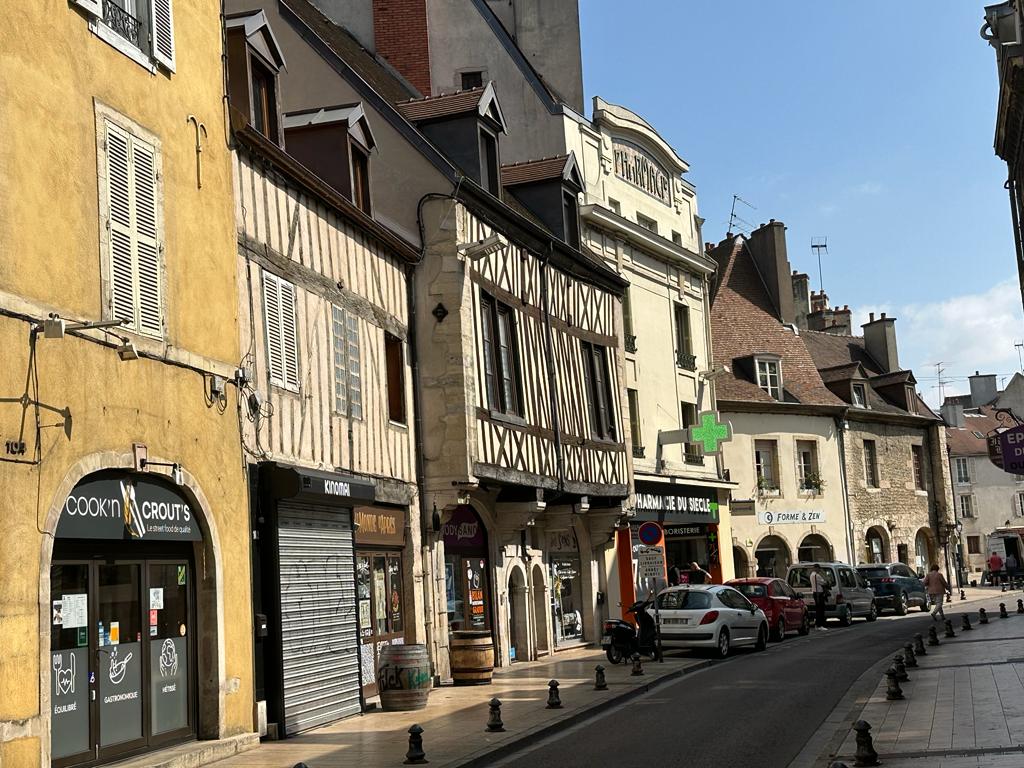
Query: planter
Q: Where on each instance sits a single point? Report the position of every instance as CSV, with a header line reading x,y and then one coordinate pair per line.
x,y
472,657
403,677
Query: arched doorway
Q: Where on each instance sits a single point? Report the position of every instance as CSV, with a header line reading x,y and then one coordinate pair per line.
x,y
740,562
466,571
540,609
815,548
518,618
566,587
773,557
876,545
924,550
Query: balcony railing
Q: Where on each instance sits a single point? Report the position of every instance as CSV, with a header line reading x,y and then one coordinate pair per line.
x,y
630,343
695,458
686,361
638,451
122,22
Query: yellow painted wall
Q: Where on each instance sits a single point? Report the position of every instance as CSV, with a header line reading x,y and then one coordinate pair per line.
x,y
52,71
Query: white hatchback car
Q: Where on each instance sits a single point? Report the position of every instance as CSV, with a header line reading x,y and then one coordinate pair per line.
x,y
710,616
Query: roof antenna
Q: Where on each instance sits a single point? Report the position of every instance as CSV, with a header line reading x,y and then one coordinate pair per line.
x,y
1020,345
819,245
733,218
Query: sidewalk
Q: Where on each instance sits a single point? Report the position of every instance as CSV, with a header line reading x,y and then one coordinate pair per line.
x,y
963,705
455,718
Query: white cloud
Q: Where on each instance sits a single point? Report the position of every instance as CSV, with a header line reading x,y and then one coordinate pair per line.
x,y
967,333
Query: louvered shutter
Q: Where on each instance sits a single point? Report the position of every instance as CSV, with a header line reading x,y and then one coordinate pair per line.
x,y
289,337
162,30
146,243
93,7
119,225
272,316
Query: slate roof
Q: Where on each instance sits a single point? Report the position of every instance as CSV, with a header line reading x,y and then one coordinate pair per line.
x,y
443,105
744,323
963,442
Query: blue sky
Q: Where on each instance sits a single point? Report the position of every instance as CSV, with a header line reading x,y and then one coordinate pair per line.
x,y
866,122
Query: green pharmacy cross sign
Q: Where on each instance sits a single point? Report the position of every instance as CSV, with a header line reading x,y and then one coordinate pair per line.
x,y
710,432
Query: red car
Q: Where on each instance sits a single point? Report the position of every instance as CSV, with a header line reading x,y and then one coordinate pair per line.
x,y
784,608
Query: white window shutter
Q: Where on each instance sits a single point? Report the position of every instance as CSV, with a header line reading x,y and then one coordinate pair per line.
x,y
119,225
272,318
289,335
147,244
92,7
162,29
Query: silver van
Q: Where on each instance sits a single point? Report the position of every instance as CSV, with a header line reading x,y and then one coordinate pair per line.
x,y
850,595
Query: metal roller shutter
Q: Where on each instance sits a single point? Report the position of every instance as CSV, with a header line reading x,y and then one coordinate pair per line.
x,y
319,633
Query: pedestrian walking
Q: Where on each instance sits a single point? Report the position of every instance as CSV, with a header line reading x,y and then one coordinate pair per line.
x,y
698,575
995,568
935,585
1011,569
820,590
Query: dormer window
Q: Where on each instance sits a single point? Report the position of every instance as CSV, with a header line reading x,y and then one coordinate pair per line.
x,y
360,178
911,400
254,60
571,219
489,173
769,375
264,101
859,396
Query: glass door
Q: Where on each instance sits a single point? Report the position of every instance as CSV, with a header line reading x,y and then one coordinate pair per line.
x,y
70,699
168,636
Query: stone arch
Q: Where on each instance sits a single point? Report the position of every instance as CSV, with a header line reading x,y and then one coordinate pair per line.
x,y
209,592
876,545
740,561
519,613
541,610
816,547
925,552
773,555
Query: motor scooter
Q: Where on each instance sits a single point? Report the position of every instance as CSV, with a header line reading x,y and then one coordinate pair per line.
x,y
621,639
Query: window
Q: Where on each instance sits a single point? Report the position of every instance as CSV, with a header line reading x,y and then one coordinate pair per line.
x,y
394,360
688,418
766,465
282,335
860,399
615,206
602,412
627,315
348,385
911,400
684,341
501,356
1020,503
264,101
871,464
918,458
141,29
677,238
633,398
807,465
471,80
963,471
489,178
571,219
974,545
769,377
847,578
646,223
966,506
132,211
360,178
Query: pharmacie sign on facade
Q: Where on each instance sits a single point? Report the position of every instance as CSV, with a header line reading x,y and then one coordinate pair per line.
x,y
668,503
122,505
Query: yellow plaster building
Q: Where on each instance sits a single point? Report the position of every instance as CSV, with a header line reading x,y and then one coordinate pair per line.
x,y
125,606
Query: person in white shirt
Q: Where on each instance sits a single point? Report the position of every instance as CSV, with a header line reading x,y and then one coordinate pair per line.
x,y
819,588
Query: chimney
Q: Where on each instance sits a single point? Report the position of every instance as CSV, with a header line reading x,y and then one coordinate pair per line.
x,y
953,415
842,321
820,321
819,301
880,341
983,388
401,36
801,298
767,245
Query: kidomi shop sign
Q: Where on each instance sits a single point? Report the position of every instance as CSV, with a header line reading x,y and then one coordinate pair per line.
x,y
128,506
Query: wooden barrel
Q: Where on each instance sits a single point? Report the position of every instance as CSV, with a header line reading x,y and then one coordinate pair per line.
x,y
403,677
472,657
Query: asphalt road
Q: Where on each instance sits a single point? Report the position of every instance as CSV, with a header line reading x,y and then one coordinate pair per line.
x,y
754,710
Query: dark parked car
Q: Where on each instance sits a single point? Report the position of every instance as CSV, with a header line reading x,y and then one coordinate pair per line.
x,y
896,586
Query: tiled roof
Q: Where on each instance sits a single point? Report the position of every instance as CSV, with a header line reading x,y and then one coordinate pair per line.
x,y
838,372
382,77
744,323
533,170
441,106
963,442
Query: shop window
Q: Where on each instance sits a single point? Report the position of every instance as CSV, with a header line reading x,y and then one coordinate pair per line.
x,y
348,386
918,459
396,378
871,464
566,587
974,545
602,412
500,357
467,584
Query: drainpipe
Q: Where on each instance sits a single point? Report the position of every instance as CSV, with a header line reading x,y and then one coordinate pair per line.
x,y
841,432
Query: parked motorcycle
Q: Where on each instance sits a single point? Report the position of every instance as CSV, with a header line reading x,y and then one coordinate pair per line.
x,y
621,639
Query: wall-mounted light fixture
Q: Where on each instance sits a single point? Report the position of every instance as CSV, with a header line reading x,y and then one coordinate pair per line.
x,y
176,474
482,248
127,350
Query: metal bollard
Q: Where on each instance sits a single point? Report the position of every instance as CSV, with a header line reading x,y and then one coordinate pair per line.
x,y
963,595
982,616
901,668
1020,605
865,754
1002,611
909,655
919,645
965,623
415,755
1003,588
494,724
554,702
638,667
893,692
949,629
949,597
600,684
933,636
